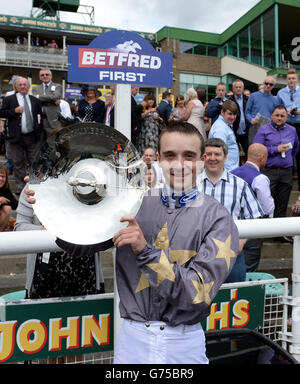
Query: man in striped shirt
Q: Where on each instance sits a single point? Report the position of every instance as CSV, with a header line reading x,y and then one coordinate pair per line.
x,y
231,191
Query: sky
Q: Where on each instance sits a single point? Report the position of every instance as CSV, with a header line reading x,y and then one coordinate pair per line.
x,y
150,15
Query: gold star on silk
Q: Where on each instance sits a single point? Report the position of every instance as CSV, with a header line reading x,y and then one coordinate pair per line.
x,y
203,290
225,251
175,255
164,269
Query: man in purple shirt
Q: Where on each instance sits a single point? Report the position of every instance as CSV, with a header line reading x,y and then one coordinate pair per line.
x,y
282,143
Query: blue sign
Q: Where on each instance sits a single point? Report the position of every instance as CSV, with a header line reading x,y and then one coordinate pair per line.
x,y
120,57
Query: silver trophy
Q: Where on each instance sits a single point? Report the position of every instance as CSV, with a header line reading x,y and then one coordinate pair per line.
x,y
86,177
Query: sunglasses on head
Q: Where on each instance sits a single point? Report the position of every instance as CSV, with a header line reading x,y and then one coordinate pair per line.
x,y
270,84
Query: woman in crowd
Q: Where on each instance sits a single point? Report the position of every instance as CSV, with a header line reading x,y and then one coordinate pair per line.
x,y
201,92
151,124
194,113
7,199
91,109
179,109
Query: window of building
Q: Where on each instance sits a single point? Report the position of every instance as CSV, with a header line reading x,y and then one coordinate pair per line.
x,y
207,82
269,38
232,47
248,44
256,43
212,51
199,49
244,44
186,47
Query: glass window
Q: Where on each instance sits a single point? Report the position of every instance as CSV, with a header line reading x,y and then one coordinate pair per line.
x,y
186,47
185,77
213,51
214,80
200,49
256,42
244,45
200,79
210,92
206,82
269,38
183,88
232,47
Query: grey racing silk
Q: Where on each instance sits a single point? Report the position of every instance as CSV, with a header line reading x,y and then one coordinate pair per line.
x,y
189,253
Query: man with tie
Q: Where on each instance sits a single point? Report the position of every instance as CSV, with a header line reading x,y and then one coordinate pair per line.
x,y
240,125
136,112
289,96
24,117
223,129
49,94
136,116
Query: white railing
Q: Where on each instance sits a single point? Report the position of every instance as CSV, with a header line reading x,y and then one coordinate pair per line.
x,y
12,243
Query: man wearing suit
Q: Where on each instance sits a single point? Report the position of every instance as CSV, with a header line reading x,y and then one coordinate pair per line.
x,y
136,116
241,125
49,94
165,109
213,108
24,121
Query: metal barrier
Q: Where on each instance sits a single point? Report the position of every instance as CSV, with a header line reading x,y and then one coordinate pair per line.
x,y
275,309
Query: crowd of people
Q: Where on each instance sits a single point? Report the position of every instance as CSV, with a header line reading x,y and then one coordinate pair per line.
x,y
35,41
240,153
238,117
